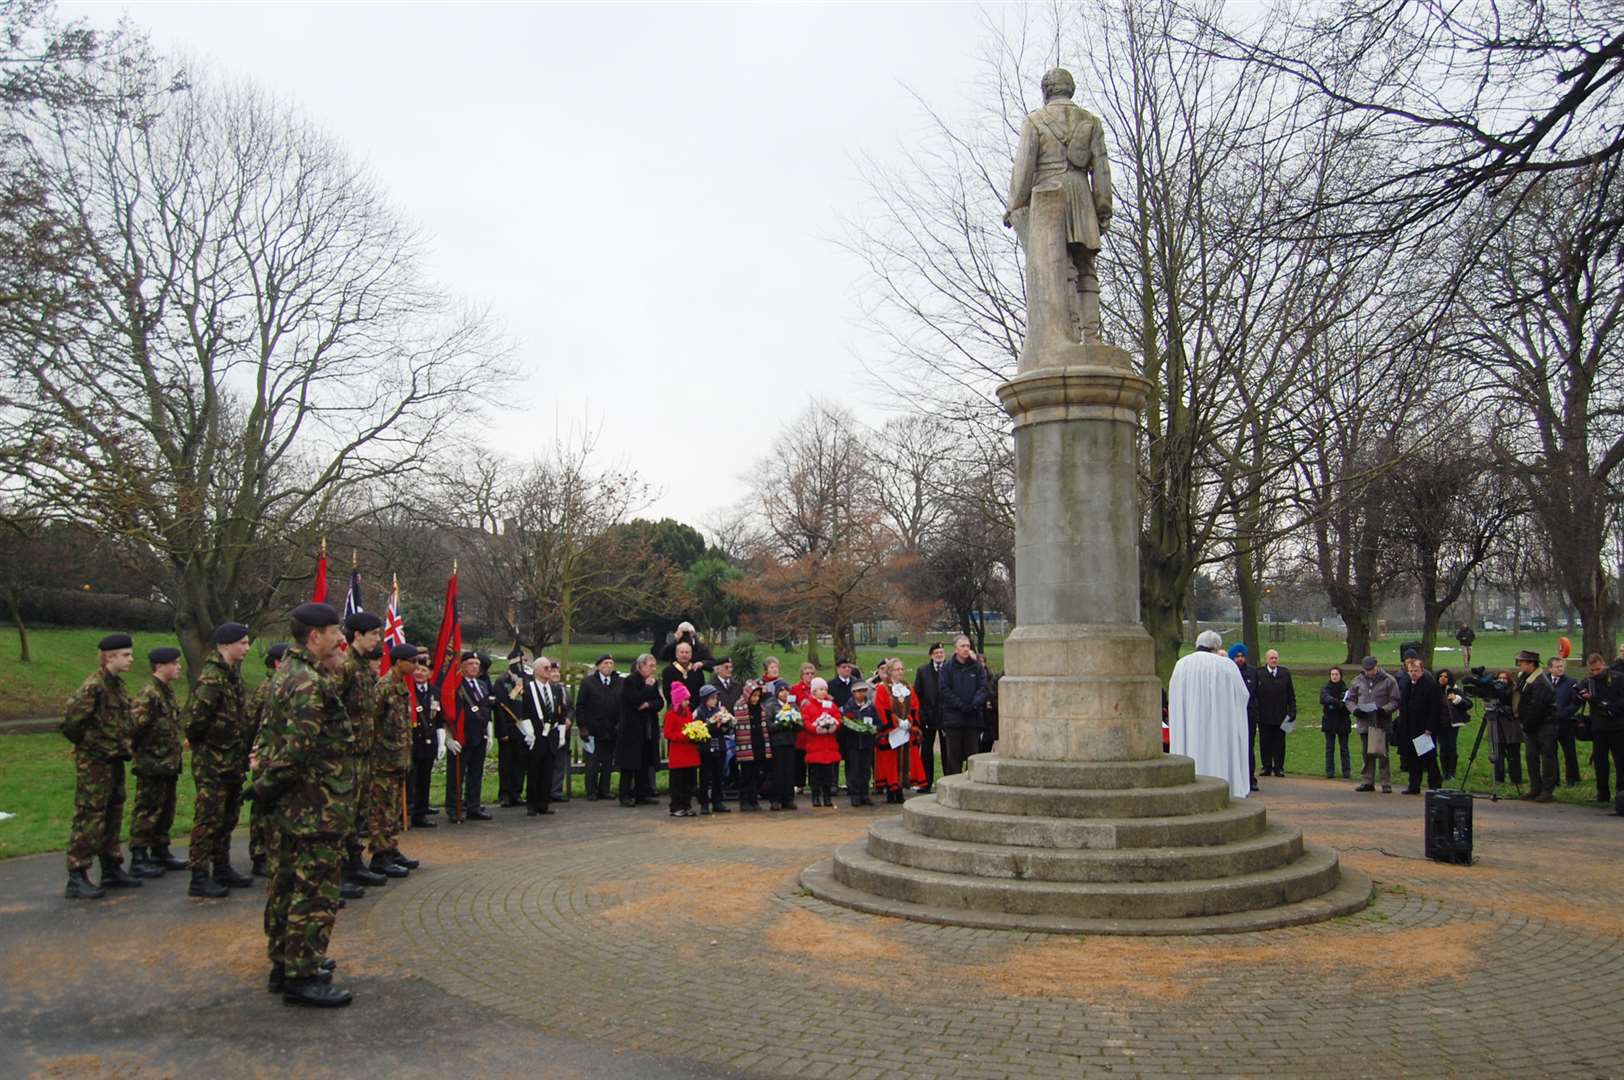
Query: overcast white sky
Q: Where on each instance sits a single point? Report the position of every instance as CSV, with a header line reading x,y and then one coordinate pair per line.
x,y
646,195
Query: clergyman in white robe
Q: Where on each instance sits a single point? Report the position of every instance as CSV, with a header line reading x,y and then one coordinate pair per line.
x,y
1206,714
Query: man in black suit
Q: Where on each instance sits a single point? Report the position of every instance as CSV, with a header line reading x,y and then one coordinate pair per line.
x,y
928,686
464,782
1276,699
636,739
597,710
544,708
512,756
1420,712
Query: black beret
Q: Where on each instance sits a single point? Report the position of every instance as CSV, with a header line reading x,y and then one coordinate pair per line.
x,y
362,622
164,654
1411,654
403,652
721,660
317,615
115,641
228,633
601,659
275,653
467,654
934,646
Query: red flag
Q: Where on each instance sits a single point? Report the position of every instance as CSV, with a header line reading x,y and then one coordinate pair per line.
x,y
394,628
318,590
447,655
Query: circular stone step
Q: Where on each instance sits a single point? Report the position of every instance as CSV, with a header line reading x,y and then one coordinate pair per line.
x,y
1164,770
1313,874
1202,795
925,816
1277,845
1351,894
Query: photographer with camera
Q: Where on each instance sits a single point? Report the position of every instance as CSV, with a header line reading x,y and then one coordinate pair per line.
x,y
1603,692
1505,734
1534,700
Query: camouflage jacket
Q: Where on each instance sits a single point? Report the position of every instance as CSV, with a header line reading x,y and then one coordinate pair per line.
x,y
357,688
305,751
257,714
218,713
394,708
155,730
97,720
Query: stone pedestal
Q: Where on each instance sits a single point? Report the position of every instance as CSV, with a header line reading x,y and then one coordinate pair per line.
x,y
1080,822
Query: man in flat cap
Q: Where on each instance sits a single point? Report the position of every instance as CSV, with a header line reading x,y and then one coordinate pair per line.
x,y
470,727
394,706
97,723
363,634
258,825
597,708
1534,701
155,742
308,770
218,729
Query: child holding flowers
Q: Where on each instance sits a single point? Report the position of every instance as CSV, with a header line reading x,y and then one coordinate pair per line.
x,y
683,750
712,752
787,733
861,722
820,717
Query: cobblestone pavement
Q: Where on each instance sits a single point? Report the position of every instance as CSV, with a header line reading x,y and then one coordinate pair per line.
x,y
604,941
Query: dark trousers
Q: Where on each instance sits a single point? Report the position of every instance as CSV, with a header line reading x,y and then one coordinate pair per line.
x,y
1333,739
539,774
957,746
927,754
1251,749
682,783
859,768
1605,743
784,776
1509,763
710,778
600,765
562,768
1273,739
510,767
1570,751
749,782
465,778
417,787
1427,763
1541,743
646,787
1449,749
823,780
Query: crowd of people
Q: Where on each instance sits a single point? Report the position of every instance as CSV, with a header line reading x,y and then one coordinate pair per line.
x,y
1231,717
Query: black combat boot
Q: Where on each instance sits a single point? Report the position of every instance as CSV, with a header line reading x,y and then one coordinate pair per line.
x,y
203,885
167,859
357,872
314,991
113,875
226,874
349,890
80,887
142,864
381,865
400,860
279,976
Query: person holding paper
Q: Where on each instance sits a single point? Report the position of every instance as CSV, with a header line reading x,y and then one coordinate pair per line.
x,y
1276,699
1420,715
1372,696
1207,706
897,748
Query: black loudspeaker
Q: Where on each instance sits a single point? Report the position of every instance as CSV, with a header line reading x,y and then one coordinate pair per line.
x,y
1449,826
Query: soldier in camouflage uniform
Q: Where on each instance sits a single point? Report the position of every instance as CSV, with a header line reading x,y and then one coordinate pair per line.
x,y
97,722
357,687
258,819
394,708
220,736
307,781
155,741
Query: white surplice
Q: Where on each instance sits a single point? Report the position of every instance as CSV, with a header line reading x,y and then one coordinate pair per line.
x,y
1206,718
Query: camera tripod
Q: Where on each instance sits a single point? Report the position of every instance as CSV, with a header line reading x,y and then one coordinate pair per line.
x,y
1477,743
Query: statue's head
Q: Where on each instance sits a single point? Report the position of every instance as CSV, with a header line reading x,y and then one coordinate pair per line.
x,y
1058,83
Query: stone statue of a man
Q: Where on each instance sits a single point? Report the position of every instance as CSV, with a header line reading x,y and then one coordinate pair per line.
x,y
1062,151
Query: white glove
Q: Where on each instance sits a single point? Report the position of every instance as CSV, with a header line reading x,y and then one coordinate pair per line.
x,y
528,730
453,745
439,745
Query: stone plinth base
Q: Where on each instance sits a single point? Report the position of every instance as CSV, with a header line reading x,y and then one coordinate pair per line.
x,y
1125,847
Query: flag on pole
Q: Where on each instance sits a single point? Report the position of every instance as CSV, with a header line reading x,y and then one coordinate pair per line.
x,y
318,590
447,652
352,599
394,628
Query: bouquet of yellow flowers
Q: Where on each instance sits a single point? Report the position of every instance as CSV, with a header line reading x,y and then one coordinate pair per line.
x,y
696,731
788,719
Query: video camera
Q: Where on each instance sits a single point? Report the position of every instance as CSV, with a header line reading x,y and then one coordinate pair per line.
x,y
1480,684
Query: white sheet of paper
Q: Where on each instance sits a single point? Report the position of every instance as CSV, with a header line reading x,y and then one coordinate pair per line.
x,y
1423,744
1288,727
898,737
590,745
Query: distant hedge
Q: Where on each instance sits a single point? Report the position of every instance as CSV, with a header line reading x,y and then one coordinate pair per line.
x,y
77,607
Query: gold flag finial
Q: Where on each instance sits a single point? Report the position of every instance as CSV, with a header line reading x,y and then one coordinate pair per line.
x,y
324,547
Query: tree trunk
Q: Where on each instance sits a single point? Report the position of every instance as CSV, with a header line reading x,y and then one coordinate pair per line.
x,y
13,596
1429,633
812,656
1166,630
1251,594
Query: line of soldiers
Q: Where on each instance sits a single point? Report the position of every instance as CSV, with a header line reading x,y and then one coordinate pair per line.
x,y
322,750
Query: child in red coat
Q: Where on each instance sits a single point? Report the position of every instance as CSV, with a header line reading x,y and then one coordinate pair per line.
x,y
683,753
821,718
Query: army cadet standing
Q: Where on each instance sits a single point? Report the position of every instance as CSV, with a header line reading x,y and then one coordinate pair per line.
x,y
258,822
308,771
97,723
155,742
357,687
220,736
393,712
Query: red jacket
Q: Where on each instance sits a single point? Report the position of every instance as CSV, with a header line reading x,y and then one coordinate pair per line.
x,y
683,754
801,693
821,749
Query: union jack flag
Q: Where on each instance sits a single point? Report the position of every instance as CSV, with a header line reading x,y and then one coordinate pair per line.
x,y
394,627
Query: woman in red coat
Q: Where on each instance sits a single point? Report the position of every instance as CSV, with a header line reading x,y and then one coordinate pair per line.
x,y
683,753
801,693
895,702
820,717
